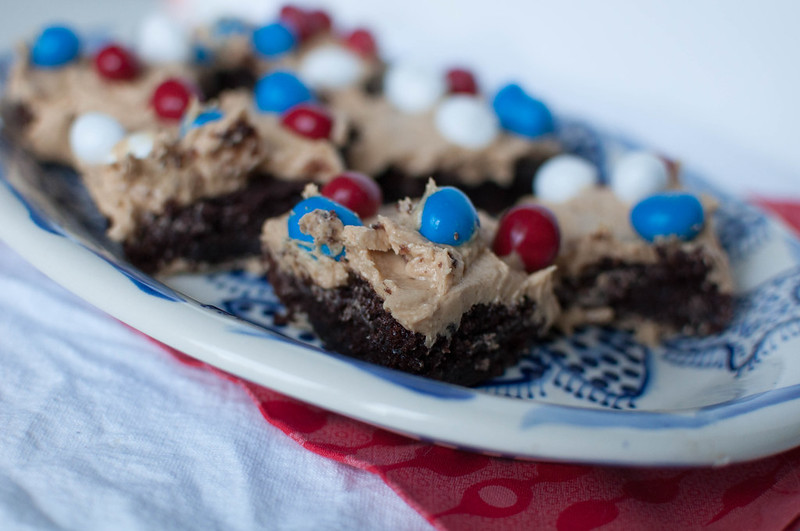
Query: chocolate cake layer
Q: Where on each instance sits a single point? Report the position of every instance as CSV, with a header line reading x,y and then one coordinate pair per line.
x,y
488,196
15,116
351,320
212,230
674,291
218,80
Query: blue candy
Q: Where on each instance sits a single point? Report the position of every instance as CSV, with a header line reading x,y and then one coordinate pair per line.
x,y
225,27
207,116
448,217
507,98
345,215
280,91
520,113
273,39
56,46
210,115
202,54
668,214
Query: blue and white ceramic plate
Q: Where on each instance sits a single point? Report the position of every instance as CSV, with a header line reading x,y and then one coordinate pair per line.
x,y
595,397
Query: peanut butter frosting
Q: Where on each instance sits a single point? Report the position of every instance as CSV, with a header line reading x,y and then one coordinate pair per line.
x,y
411,142
291,156
54,97
425,286
208,161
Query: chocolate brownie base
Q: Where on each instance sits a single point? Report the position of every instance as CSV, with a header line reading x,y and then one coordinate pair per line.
x,y
15,116
216,81
489,196
213,230
675,292
351,320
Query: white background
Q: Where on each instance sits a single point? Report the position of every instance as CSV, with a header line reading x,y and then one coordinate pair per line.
x,y
700,80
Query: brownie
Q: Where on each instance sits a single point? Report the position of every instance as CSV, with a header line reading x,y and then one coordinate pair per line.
x,y
351,320
210,231
456,313
674,291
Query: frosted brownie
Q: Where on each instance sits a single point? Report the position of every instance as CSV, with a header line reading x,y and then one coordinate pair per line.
x,y
200,197
40,104
671,281
299,40
387,294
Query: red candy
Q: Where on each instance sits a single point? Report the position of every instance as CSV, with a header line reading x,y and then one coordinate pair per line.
x,y
363,42
319,21
460,81
306,24
532,232
298,19
355,191
115,62
171,99
311,121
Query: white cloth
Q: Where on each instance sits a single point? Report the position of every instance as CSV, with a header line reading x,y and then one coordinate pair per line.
x,y
101,429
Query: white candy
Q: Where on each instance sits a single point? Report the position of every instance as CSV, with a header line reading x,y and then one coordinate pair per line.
x,y
638,175
563,177
330,67
467,121
93,135
413,89
138,145
162,40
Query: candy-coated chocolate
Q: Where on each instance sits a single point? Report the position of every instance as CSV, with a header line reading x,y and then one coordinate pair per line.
x,y
203,55
93,135
521,114
331,67
467,121
461,81
362,41
507,97
274,39
309,120
204,117
530,231
356,191
171,99
413,89
448,217
306,206
228,26
668,214
319,20
116,63
138,145
279,91
55,47
163,40
563,177
637,175
298,19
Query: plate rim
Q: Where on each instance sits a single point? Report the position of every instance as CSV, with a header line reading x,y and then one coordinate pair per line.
x,y
415,406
